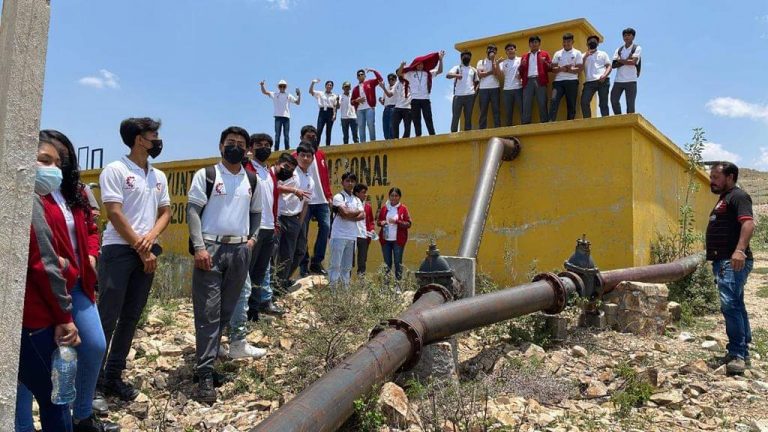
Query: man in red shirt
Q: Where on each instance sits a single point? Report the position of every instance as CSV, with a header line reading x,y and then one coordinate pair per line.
x,y
534,68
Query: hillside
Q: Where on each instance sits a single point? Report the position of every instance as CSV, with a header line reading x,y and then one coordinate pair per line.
x,y
756,184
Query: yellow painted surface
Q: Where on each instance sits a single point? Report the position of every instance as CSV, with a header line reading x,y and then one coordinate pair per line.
x,y
551,40
617,179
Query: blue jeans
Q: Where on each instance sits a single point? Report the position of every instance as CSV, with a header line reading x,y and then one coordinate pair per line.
x,y
237,324
342,254
393,254
366,117
321,213
731,283
37,347
283,123
387,120
90,354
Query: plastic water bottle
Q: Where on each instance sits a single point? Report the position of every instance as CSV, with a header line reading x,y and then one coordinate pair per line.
x,y
63,373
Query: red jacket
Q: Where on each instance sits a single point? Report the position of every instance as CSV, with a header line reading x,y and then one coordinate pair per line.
x,y
369,87
543,64
430,61
322,171
402,230
369,225
46,299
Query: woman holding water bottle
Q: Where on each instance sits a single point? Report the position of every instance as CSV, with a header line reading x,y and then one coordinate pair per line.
x,y
75,239
394,221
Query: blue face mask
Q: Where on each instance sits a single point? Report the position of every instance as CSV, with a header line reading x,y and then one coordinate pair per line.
x,y
47,179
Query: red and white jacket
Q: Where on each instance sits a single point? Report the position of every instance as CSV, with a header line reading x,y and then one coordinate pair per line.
x,y
402,230
369,88
543,65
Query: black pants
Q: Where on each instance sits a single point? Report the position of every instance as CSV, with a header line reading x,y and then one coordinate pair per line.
x,y
346,125
617,90
489,96
588,91
569,88
290,229
362,254
123,293
260,256
421,107
510,99
462,103
325,118
404,115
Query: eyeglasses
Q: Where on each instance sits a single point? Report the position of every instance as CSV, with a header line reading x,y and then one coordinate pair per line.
x,y
228,143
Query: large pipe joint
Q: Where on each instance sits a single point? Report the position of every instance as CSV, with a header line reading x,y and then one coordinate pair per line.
x,y
511,148
410,331
559,290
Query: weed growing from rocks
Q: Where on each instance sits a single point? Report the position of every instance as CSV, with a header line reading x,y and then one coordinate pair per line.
x,y
633,393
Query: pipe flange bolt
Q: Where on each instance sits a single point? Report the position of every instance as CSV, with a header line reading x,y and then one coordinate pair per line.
x,y
576,279
561,296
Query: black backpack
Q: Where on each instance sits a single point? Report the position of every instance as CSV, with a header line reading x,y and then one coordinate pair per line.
x,y
615,64
210,178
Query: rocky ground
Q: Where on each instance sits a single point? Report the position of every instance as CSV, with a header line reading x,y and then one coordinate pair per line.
x,y
590,382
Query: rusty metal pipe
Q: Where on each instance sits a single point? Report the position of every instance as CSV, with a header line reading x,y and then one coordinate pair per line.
x,y
499,149
656,273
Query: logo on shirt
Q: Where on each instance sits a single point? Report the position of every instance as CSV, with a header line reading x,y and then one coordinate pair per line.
x,y
130,182
158,186
720,207
219,189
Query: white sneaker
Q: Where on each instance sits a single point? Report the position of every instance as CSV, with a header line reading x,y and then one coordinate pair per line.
x,y
242,349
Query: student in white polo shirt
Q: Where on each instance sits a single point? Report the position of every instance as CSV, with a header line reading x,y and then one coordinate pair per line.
x,y
348,113
282,101
512,93
136,199
349,209
626,62
566,63
419,76
488,71
597,69
223,222
327,101
465,82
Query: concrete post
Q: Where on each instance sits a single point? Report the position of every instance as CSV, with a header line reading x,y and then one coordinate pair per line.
x,y
23,44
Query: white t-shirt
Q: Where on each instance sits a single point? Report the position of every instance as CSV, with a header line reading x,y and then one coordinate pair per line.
x,y
390,100
595,65
626,73
325,100
510,68
281,101
361,228
346,108
290,204
390,230
533,65
344,228
318,195
489,81
68,218
140,193
267,196
364,104
228,210
418,83
401,101
466,85
563,58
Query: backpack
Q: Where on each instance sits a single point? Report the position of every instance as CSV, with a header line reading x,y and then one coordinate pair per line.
x,y
210,179
615,64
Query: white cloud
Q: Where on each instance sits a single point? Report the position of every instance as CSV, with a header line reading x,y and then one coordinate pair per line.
x,y
104,79
762,18
737,108
716,152
281,4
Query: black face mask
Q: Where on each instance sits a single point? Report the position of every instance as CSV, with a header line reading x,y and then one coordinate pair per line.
x,y
262,153
284,174
465,61
592,45
233,154
157,148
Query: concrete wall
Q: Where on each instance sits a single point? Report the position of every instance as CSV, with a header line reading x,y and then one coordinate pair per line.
x,y
616,179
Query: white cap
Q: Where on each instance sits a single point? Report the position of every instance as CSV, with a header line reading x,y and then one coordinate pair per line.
x,y
282,82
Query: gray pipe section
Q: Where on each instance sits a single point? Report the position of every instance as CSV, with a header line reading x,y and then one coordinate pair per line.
x,y
499,149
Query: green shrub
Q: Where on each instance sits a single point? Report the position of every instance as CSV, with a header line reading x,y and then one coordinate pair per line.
x,y
634,393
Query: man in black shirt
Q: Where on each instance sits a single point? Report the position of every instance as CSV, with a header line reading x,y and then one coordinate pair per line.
x,y
728,233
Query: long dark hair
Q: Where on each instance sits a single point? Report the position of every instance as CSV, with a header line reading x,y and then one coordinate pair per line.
x,y
72,188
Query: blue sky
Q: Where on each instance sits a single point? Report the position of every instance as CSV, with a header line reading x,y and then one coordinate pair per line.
x,y
196,64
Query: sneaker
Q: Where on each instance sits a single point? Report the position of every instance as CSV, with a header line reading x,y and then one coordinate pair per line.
x,y
93,424
724,360
121,389
223,352
219,379
269,308
318,269
205,392
736,366
242,349
99,404
253,314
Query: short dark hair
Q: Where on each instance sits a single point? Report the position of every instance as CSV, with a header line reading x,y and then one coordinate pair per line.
x,y
628,30
534,38
568,36
595,37
392,76
132,127
349,175
359,71
237,130
305,147
510,45
260,137
728,168
308,128
467,52
491,47
396,190
360,187
287,157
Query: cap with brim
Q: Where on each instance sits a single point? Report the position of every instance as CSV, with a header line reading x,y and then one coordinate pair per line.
x,y
346,84
282,83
